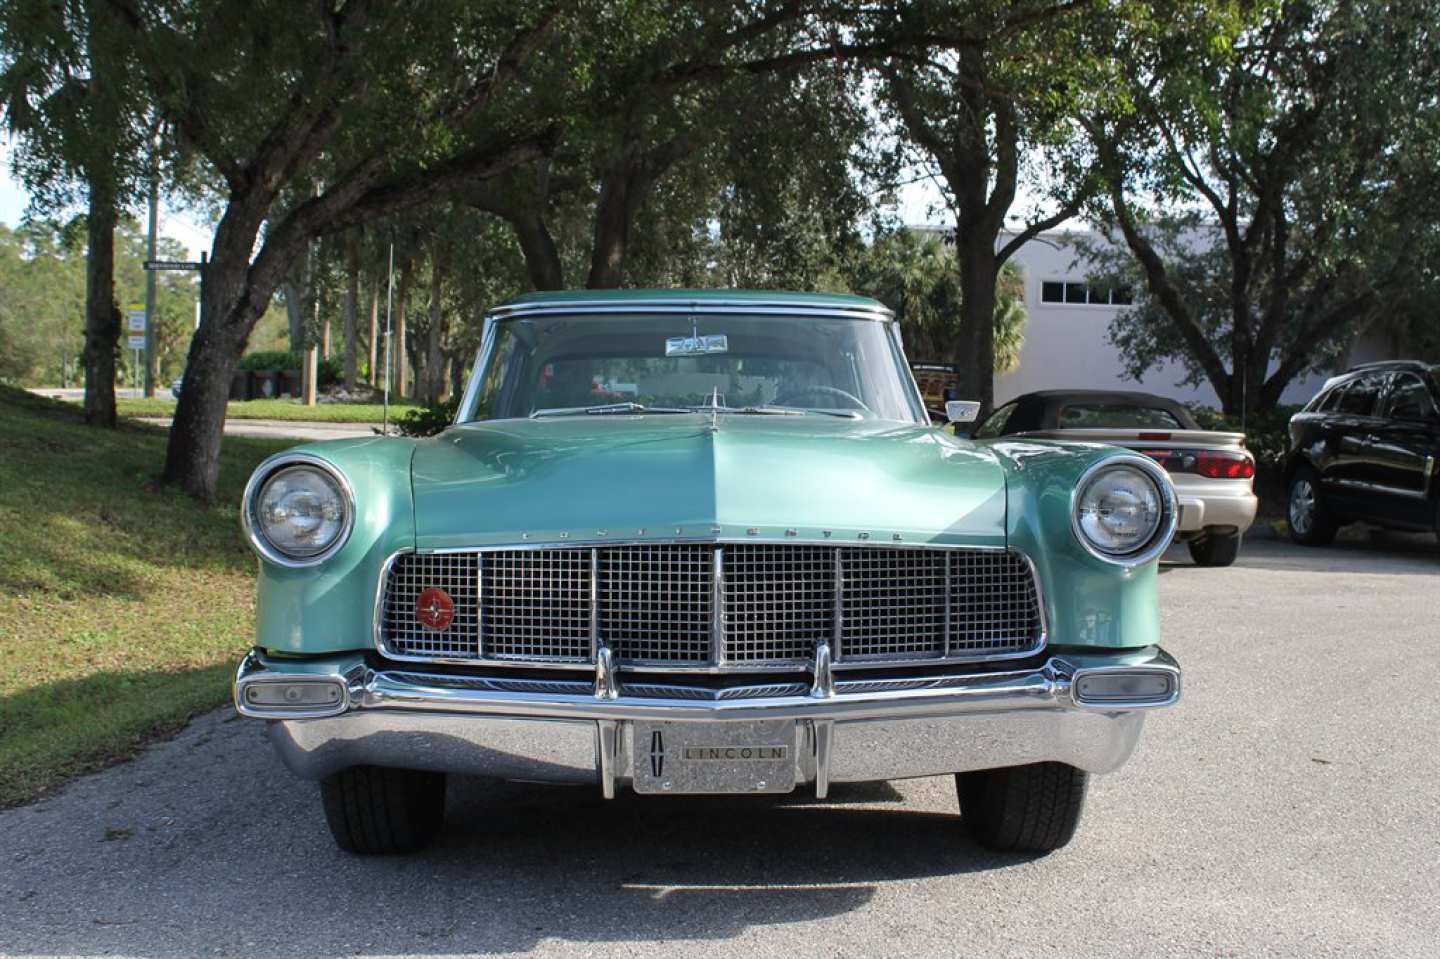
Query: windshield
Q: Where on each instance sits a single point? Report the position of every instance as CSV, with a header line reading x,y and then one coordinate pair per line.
x,y
676,363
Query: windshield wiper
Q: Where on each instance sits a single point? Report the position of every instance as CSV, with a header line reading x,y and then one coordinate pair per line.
x,y
607,409
785,411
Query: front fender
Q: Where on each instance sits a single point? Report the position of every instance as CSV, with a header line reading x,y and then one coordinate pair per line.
x,y
330,607
1088,602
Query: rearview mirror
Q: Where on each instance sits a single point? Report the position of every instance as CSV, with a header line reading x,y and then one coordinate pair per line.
x,y
961,411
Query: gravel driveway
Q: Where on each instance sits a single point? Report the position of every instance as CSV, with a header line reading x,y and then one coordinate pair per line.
x,y
1289,806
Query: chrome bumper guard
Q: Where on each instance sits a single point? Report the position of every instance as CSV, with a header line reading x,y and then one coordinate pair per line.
x,y
1082,708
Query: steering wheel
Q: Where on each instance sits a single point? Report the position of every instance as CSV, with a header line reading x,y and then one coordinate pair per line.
x,y
818,390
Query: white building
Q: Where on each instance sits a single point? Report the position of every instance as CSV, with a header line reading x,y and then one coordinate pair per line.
x,y
1067,343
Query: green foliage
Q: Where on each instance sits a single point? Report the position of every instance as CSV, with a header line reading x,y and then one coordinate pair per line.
x,y
328,368
1305,149
430,419
143,598
42,301
917,276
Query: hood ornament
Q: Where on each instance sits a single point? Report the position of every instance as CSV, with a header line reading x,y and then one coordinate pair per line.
x,y
715,409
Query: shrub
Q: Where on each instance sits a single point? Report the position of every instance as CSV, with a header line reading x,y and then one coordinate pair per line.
x,y
329,369
430,419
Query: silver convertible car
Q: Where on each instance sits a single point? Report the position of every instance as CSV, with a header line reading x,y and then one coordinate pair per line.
x,y
689,542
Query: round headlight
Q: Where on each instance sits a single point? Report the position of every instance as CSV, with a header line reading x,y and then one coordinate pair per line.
x,y
1124,512
299,514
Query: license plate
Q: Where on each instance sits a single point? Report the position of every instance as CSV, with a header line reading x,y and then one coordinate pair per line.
x,y
687,758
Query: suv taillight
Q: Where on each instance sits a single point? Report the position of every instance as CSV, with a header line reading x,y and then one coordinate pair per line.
x,y
1224,465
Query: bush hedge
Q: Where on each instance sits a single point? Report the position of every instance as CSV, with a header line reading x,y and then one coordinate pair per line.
x,y
330,372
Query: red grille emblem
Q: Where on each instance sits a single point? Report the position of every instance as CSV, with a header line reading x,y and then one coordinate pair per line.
x,y
434,608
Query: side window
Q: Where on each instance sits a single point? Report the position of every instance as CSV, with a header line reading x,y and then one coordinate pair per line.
x,y
995,425
1330,401
1360,395
1410,398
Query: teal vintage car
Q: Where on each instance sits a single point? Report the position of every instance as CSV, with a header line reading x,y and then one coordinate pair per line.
x,y
684,542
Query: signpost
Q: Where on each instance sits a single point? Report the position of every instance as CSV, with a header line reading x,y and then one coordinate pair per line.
x,y
147,328
154,265
136,325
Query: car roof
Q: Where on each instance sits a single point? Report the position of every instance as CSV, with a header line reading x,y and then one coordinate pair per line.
x,y
609,301
1042,406
1387,366
1126,397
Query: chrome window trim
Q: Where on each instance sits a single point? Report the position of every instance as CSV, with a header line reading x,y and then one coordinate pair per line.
x,y
718,665
267,469
465,413
1164,533
806,308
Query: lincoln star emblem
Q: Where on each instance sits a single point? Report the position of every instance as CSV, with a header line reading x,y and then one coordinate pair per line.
x,y
434,608
657,754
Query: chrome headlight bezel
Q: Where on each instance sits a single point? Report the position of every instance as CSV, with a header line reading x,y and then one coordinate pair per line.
x,y
267,471
1164,532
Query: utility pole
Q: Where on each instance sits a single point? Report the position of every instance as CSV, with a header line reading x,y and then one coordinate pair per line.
x,y
150,364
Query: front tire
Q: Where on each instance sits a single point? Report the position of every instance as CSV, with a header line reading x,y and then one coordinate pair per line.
x,y
373,810
1215,549
1311,522
1031,808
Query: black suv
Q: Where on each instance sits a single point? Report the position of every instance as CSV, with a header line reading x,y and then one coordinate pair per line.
x,y
1365,448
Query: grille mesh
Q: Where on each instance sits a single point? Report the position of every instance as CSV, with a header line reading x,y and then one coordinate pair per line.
x,y
779,601
537,605
893,603
994,606
409,577
655,604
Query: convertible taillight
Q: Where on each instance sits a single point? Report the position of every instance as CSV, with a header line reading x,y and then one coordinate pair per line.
x,y
1217,464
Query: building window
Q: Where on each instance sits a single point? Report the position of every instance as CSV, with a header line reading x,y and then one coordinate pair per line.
x,y
1091,294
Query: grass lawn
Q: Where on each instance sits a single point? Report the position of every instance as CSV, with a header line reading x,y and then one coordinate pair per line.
x,y
123,608
292,410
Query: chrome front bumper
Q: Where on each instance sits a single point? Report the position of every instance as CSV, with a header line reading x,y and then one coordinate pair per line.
x,y
850,728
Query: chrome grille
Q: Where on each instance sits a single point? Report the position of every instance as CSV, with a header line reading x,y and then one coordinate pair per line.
x,y
779,601
655,602
707,605
994,605
410,575
893,603
537,604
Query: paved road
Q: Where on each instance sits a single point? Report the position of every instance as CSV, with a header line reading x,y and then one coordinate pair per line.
x,y
1290,806
283,429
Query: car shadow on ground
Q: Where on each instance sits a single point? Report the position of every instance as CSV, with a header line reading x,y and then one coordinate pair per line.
x,y
668,868
235,857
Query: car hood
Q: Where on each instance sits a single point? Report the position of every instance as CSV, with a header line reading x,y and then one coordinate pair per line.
x,y
586,478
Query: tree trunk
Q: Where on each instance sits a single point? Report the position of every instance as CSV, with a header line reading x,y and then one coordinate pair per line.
x,y
322,318
374,330
978,273
457,373
542,257
102,317
435,359
401,354
296,296
352,309
227,313
613,213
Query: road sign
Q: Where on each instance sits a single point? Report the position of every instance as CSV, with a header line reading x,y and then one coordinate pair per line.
x,y
137,341
174,264
135,319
